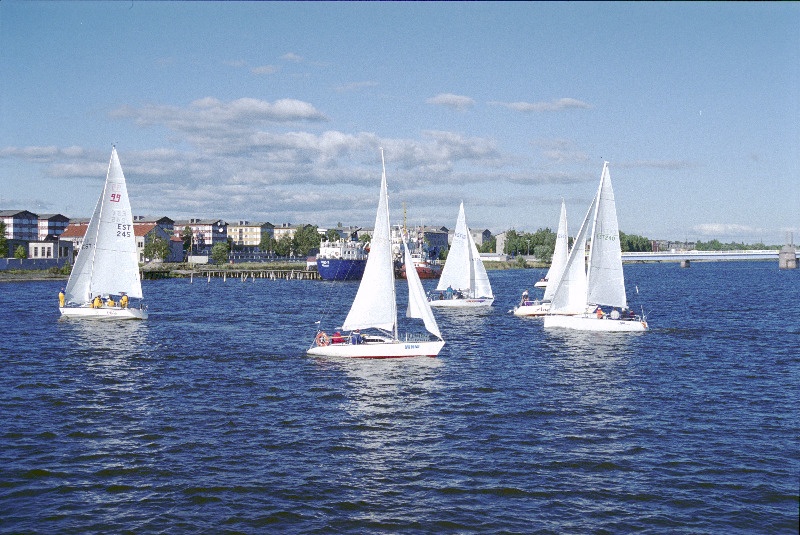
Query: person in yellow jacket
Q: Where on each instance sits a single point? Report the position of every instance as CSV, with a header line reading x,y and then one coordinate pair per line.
x,y
123,301
61,298
110,302
97,303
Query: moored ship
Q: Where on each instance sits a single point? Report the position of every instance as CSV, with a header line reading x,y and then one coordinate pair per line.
x,y
342,260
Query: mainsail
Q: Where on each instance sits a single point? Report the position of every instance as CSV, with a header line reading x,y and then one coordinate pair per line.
x,y
374,304
560,256
464,268
606,282
107,263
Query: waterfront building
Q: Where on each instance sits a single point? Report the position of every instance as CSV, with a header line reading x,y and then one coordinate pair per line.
x,y
247,234
51,225
205,233
20,225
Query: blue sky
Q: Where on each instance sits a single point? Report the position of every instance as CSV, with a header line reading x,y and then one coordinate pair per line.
x,y
271,111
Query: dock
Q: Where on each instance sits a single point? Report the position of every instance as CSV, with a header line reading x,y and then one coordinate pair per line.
x,y
243,275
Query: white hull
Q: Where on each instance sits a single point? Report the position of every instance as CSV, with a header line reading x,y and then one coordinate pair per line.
x,y
109,313
468,302
541,284
532,309
379,350
590,322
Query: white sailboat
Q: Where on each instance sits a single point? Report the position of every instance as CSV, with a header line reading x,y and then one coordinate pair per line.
x,y
584,291
107,264
464,282
528,307
375,304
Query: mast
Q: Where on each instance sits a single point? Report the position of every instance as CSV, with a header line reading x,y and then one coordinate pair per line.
x,y
388,226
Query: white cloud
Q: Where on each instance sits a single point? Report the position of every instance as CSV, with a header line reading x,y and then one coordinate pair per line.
x,y
450,100
291,56
553,105
264,69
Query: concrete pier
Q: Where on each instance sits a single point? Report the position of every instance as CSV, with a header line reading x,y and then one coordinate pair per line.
x,y
787,258
684,263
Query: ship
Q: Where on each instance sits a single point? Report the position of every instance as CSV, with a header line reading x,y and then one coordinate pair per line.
x,y
342,260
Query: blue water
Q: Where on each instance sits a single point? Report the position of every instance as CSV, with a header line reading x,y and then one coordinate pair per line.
x,y
210,418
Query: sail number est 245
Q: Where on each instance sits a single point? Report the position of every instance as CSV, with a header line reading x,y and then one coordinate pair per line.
x,y
123,230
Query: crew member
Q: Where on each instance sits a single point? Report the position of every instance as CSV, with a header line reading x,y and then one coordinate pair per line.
x,y
61,298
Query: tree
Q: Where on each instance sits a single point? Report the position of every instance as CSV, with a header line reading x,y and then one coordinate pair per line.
x,y
267,243
3,240
156,249
219,252
365,238
488,246
20,253
283,246
186,236
634,243
332,234
305,239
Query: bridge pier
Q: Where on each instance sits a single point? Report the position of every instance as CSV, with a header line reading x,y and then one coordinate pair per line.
x,y
787,258
684,263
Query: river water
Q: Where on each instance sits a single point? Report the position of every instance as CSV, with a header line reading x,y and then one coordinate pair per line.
x,y
210,418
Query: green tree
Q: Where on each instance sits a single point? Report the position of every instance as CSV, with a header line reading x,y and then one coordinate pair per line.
x,y
488,246
219,252
156,249
305,239
364,238
20,253
186,236
283,246
331,234
634,243
267,243
3,241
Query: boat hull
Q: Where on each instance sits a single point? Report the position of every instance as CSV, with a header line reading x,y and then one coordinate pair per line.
x,y
337,269
541,284
106,313
379,350
467,302
532,308
590,322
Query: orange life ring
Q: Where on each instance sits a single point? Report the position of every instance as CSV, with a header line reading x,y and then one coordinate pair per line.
x,y
322,339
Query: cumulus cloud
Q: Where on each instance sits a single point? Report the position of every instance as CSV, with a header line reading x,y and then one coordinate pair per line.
x,y
291,56
553,105
211,114
450,100
264,69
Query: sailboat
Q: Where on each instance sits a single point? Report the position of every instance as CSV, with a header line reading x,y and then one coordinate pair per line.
x,y
107,264
584,291
375,304
529,307
464,282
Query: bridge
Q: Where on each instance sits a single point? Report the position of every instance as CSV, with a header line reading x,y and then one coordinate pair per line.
x,y
708,256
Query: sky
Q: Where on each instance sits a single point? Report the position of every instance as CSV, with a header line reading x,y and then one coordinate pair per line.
x,y
273,111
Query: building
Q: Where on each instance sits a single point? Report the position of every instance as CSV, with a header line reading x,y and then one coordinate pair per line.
x,y
50,247
164,222
205,233
285,229
20,225
247,234
72,236
52,225
147,232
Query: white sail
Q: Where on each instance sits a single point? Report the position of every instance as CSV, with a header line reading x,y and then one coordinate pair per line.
x,y
481,286
107,263
570,294
417,302
606,283
374,304
464,268
560,256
